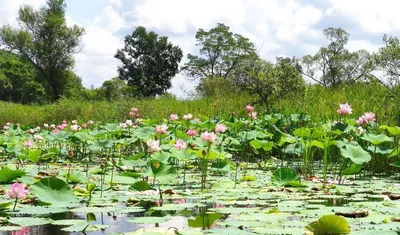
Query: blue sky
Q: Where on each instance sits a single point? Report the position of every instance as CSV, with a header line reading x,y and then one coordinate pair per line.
x,y
277,27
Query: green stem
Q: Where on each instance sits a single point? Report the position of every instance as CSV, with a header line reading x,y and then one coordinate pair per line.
x,y
15,203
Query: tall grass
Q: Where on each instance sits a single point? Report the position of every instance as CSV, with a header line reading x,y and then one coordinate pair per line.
x,y
319,102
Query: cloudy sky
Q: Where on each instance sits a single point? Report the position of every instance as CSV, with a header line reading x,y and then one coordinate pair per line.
x,y
277,27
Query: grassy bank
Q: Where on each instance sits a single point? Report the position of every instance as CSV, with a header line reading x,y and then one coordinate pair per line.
x,y
320,103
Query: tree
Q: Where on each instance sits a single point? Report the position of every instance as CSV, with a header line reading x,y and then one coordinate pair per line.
x,y
46,42
387,60
271,81
148,62
115,89
221,52
19,80
334,64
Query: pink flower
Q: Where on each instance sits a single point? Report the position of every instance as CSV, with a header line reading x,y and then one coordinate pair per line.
x,y
162,129
131,113
5,127
220,128
84,126
37,128
369,116
344,109
137,121
252,115
366,118
129,122
122,125
28,143
56,130
191,132
187,116
90,122
17,190
249,108
173,117
61,127
180,144
134,110
74,122
46,125
31,131
64,122
153,145
74,128
209,136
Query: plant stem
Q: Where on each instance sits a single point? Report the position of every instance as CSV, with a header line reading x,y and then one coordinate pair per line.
x,y
15,203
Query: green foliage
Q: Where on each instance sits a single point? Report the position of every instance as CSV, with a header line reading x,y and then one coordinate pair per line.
x,y
53,191
286,177
7,175
46,42
221,52
148,62
329,225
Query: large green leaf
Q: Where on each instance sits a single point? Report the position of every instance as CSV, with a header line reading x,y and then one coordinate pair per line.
x,y
53,191
356,153
204,221
352,169
33,155
376,139
285,177
7,175
393,130
329,225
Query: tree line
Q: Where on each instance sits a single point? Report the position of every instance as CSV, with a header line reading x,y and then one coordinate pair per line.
x,y
36,63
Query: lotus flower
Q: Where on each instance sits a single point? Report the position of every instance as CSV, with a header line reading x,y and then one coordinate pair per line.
x,y
191,132
153,145
17,190
344,109
220,128
209,136
173,117
161,129
180,144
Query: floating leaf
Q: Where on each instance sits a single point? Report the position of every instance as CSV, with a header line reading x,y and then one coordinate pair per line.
x,y
54,191
329,225
7,175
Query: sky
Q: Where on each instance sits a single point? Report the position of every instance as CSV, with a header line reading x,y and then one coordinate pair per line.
x,y
277,27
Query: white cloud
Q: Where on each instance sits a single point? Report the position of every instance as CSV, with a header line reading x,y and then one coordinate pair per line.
x,y
9,10
354,45
373,16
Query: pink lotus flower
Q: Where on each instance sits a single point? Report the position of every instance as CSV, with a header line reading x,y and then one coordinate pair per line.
x,y
74,122
131,114
161,129
173,117
74,128
180,144
220,128
366,118
153,145
134,110
122,125
5,127
344,109
90,122
31,131
56,130
37,128
64,122
84,126
61,127
191,132
252,115
17,190
187,116
28,143
129,122
249,108
209,136
138,121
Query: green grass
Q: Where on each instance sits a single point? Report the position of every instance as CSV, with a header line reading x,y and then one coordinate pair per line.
x,y
320,103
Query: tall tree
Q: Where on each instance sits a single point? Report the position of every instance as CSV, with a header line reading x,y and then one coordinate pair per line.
x,y
387,60
334,64
46,41
221,51
148,62
19,80
271,81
